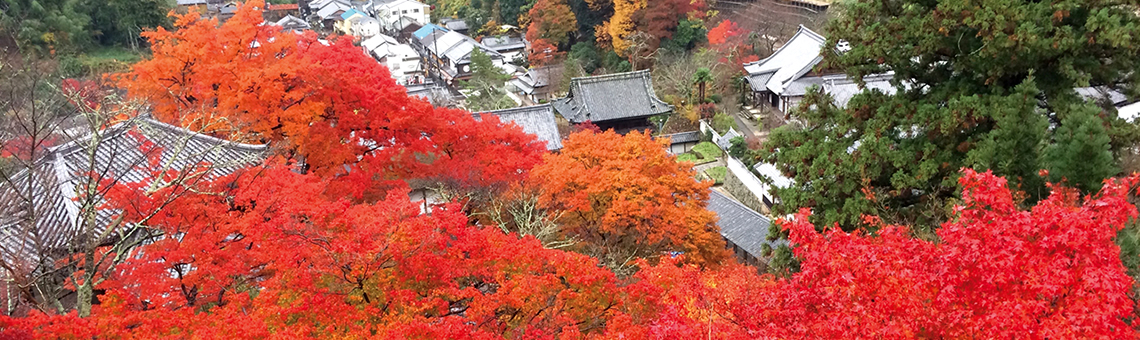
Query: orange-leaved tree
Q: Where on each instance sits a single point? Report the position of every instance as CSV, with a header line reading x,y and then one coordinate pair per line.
x,y
322,101
265,254
625,198
551,20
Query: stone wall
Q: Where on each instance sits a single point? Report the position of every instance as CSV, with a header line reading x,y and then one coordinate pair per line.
x,y
740,192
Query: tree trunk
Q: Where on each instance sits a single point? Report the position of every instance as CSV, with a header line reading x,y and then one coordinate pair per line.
x,y
85,291
701,91
84,294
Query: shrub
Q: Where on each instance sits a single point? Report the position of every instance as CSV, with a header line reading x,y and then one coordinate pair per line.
x,y
722,122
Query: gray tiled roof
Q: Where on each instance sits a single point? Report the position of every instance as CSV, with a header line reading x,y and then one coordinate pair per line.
x,y
740,225
611,97
122,156
683,137
537,120
758,81
842,89
799,86
504,43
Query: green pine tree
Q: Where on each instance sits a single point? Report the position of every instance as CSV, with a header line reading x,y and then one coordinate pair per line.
x,y
979,84
1080,151
486,84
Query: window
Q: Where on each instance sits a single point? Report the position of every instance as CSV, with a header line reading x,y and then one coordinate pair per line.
x,y
395,12
417,10
405,11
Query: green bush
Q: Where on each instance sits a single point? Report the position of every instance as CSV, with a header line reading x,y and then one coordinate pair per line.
x,y
722,122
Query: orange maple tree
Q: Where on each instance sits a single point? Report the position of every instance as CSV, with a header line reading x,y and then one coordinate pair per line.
x,y
324,102
625,198
551,20
264,255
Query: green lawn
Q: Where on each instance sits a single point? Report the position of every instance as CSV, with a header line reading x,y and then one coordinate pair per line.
x,y
717,174
708,150
701,153
104,59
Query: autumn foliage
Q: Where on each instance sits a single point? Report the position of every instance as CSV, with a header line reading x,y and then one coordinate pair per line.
x,y
273,252
264,257
329,105
657,18
1051,272
625,198
731,41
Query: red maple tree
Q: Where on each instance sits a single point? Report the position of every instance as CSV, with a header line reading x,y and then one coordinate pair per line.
x,y
264,256
324,102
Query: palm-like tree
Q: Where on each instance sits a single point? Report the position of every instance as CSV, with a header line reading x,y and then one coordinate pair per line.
x,y
701,78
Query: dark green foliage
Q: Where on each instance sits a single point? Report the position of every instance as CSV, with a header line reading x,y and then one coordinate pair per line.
x,y
1129,241
119,22
701,78
1080,152
783,262
586,55
486,83
984,83
45,26
510,10
739,150
589,18
615,63
687,36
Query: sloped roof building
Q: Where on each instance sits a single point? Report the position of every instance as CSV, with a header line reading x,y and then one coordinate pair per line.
x,y
49,192
622,101
745,231
537,120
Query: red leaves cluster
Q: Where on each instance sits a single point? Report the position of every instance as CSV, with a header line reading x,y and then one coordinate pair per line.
x,y
331,105
659,18
262,255
542,52
1049,273
731,41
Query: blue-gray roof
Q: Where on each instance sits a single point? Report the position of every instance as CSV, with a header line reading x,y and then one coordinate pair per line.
x,y
121,155
611,97
349,13
683,137
537,120
741,225
426,30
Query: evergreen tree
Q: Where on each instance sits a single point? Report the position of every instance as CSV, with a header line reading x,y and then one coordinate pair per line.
x,y
44,26
486,84
1080,152
121,21
985,84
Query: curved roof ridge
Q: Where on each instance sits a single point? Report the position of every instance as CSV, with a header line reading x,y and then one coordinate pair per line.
x,y
611,76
